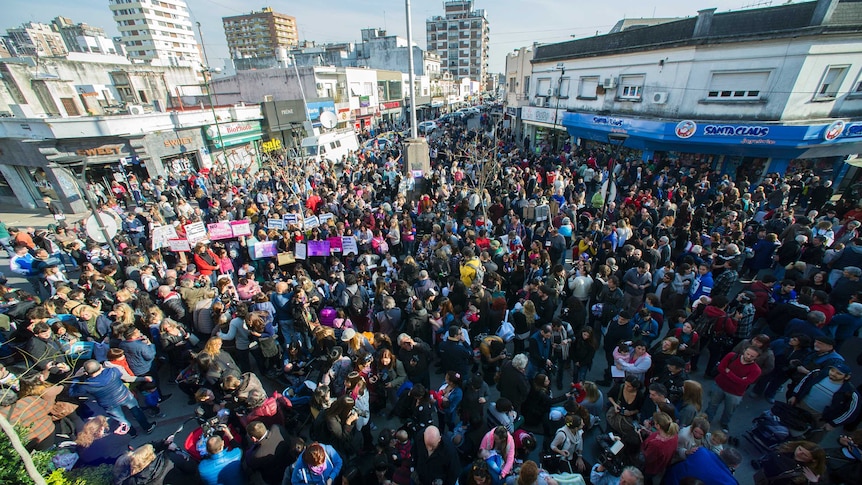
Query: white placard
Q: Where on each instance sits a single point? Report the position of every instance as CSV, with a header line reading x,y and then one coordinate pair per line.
x,y
325,217
161,234
301,251
348,245
196,232
311,222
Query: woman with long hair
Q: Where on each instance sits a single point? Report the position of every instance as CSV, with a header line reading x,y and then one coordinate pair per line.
x,y
449,400
215,364
539,401
339,426
523,322
267,352
387,376
794,462
692,402
568,445
98,444
660,446
500,444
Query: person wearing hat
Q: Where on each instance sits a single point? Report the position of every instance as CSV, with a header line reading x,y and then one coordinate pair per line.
x,y
673,377
823,357
829,396
354,342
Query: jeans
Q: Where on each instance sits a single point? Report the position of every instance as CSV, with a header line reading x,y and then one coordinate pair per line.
x,y
6,242
716,397
131,404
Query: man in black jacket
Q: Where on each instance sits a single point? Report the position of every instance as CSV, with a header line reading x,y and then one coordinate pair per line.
x,y
455,355
436,460
416,357
513,383
270,452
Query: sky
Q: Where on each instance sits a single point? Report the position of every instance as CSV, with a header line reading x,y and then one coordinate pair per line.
x,y
514,23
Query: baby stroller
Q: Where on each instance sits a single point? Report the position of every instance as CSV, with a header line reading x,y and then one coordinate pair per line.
x,y
781,423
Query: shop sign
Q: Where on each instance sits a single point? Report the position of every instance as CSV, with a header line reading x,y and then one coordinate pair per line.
x,y
834,130
364,101
231,129
271,145
175,142
685,129
735,130
541,115
853,129
391,105
100,151
607,120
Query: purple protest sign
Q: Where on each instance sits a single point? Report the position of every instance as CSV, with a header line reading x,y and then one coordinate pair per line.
x,y
318,248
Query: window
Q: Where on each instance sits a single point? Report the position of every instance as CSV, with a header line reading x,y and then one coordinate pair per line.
x,y
564,86
856,91
526,85
831,82
543,87
737,86
587,86
631,87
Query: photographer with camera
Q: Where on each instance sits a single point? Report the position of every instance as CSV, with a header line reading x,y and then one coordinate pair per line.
x,y
629,476
221,465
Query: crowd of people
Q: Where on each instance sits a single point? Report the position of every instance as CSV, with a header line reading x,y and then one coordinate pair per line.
x,y
458,342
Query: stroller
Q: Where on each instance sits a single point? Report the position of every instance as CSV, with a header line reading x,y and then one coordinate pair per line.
x,y
781,423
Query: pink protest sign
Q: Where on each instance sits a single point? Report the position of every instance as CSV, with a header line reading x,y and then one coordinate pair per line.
x,y
220,230
334,245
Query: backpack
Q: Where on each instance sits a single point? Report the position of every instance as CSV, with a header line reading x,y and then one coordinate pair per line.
x,y
480,270
706,325
356,304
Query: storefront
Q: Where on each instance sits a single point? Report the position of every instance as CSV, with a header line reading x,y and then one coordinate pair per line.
x,y
391,112
756,148
234,145
172,152
284,121
542,128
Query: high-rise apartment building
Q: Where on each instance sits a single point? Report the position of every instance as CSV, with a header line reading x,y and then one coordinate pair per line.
x,y
81,37
37,39
259,34
461,40
157,31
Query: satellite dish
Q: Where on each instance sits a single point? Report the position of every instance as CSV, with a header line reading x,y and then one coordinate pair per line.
x,y
95,233
328,119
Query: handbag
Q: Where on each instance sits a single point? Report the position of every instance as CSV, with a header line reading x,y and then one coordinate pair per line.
x,y
506,330
286,258
194,340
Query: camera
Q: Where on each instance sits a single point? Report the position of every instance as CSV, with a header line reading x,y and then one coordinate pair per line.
x,y
610,456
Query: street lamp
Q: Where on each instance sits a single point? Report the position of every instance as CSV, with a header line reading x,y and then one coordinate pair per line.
x,y
562,68
619,139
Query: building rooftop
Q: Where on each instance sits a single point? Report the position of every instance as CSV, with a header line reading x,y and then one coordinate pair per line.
x,y
822,16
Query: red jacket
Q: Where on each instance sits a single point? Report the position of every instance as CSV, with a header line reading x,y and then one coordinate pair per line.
x,y
740,376
203,266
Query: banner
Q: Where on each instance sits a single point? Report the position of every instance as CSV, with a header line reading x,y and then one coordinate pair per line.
x,y
161,235
318,248
290,219
349,246
220,230
179,245
196,232
240,228
265,249
334,245
277,224
301,251
311,222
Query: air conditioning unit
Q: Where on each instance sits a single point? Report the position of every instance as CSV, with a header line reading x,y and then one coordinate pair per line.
x,y
659,98
135,109
609,83
550,92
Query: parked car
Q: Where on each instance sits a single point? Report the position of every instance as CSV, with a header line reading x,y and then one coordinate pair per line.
x,y
426,127
451,118
469,112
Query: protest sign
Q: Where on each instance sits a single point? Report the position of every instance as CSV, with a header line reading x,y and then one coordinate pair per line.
x,y
348,245
334,245
161,235
318,248
291,219
277,224
196,232
311,222
325,217
301,251
220,230
179,245
265,249
240,228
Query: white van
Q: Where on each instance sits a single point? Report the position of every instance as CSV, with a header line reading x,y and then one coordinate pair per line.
x,y
330,146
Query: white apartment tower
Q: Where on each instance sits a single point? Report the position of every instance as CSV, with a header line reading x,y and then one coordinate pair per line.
x,y
461,40
158,32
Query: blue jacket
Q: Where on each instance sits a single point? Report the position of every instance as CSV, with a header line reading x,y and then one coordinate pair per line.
x,y
301,473
107,388
281,303
704,465
223,468
139,355
539,351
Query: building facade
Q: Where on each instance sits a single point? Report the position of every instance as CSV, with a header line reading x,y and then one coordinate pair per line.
x,y
158,32
761,90
37,39
461,39
517,87
259,34
81,37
